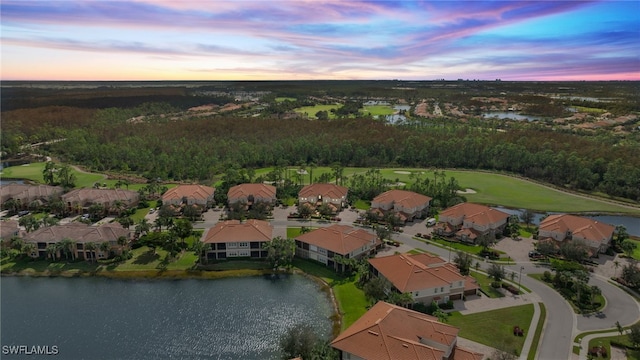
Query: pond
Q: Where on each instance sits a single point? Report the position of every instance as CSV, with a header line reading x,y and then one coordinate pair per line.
x,y
509,115
100,318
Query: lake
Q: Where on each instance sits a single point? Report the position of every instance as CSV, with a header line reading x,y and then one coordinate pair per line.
x,y
100,318
509,115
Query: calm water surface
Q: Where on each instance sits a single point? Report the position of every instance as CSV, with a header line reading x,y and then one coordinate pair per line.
x,y
98,318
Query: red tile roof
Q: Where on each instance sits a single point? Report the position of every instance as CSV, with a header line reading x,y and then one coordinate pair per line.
x,y
262,191
332,191
341,239
476,213
234,230
407,199
78,232
391,332
199,192
83,196
589,229
416,272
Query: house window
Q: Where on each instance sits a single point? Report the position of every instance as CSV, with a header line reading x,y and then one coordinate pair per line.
x,y
417,293
243,253
322,251
244,244
232,244
435,290
442,289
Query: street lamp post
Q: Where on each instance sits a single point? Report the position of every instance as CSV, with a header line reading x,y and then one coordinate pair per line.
x,y
520,278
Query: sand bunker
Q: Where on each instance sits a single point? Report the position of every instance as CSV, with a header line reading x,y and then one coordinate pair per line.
x,y
466,191
402,172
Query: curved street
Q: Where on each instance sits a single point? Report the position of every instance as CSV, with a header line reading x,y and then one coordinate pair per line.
x,y
561,325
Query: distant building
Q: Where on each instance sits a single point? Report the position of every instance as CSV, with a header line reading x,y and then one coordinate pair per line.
x,y
468,221
80,200
427,277
25,194
234,239
407,205
390,332
252,193
189,195
324,244
562,227
315,195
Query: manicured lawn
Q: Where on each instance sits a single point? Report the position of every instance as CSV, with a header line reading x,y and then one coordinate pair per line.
x,y
351,300
293,232
621,339
33,172
378,110
496,189
281,99
524,233
362,205
471,249
485,284
312,110
495,328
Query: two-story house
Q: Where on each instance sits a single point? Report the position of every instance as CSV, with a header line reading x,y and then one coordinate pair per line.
x,y
233,239
333,195
407,205
427,277
79,200
563,227
324,244
250,194
391,332
80,234
199,195
22,195
468,221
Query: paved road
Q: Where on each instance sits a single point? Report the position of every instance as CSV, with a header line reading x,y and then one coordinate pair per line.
x,y
561,325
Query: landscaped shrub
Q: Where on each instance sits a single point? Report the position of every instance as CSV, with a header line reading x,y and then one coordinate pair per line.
x,y
496,284
546,276
446,306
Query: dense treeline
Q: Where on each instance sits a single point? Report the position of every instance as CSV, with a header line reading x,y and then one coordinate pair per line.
x,y
199,149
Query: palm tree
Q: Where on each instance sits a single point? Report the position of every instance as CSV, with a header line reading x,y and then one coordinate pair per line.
x,y
105,247
595,291
50,221
123,241
92,250
143,227
616,265
28,248
66,246
52,251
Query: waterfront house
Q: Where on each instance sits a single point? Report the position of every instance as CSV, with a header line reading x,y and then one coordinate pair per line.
x,y
79,200
563,227
324,244
426,277
333,195
80,234
390,332
468,221
406,205
180,195
233,239
250,194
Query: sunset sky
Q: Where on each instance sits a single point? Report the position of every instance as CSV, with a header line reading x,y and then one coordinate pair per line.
x,y
309,39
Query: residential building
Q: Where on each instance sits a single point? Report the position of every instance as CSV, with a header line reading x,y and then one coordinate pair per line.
x,y
233,239
390,332
407,205
80,200
468,221
252,193
80,234
563,227
427,277
9,229
315,195
324,244
24,194
189,195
